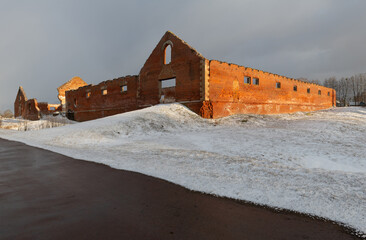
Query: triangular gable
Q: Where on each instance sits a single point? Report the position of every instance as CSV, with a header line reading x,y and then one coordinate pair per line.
x,y
21,93
72,84
178,46
75,81
19,102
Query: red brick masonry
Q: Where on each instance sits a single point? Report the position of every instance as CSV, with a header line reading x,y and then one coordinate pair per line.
x,y
210,88
31,109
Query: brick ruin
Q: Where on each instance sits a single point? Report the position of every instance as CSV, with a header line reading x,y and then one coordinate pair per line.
x,y
26,108
73,83
31,109
176,72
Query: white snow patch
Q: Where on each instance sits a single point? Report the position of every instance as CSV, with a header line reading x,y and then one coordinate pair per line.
x,y
27,125
308,162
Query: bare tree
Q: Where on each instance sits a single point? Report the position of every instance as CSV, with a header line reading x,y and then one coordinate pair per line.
x,y
362,79
343,90
331,83
348,89
315,81
358,83
8,114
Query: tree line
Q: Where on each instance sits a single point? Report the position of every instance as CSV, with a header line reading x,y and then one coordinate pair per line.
x,y
350,91
7,114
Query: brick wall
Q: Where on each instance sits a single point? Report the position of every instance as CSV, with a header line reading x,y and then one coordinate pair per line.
x,y
210,88
145,89
19,103
185,67
31,109
48,109
105,99
72,84
229,94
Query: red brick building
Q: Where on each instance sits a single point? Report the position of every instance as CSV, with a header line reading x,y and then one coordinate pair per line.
x,y
31,109
175,72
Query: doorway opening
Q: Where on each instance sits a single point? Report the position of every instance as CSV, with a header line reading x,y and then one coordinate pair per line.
x,y
167,90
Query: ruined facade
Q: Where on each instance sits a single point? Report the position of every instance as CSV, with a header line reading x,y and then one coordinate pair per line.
x,y
73,83
175,72
105,99
32,110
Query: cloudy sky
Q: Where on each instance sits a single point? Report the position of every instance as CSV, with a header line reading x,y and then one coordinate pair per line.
x,y
45,43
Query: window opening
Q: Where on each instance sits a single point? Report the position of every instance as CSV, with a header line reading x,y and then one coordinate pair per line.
x,y
295,88
319,92
168,83
256,81
328,93
88,94
162,98
104,91
167,54
278,85
75,102
167,90
308,90
123,88
247,80
52,108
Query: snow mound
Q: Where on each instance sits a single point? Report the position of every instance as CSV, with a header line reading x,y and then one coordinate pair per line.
x,y
157,120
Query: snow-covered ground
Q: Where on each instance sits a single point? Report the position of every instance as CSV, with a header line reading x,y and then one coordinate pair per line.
x,y
27,125
308,162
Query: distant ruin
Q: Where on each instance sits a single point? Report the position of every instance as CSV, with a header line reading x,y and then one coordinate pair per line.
x,y
31,109
175,72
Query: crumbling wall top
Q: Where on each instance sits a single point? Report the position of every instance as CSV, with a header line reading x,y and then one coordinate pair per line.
x,y
73,83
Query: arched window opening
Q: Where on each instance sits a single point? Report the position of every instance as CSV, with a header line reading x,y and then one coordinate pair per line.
x,y
167,54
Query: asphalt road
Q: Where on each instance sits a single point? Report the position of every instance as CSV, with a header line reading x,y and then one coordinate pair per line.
x,y
45,195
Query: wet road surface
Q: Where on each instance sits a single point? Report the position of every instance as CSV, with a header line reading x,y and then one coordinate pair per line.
x,y
45,195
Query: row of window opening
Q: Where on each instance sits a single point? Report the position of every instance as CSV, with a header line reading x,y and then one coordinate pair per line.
x,y
248,80
255,81
123,89
278,85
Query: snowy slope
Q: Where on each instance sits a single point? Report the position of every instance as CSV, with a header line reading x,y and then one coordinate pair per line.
x,y
313,163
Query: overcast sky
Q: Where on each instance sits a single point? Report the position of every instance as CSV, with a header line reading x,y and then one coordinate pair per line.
x,y
45,43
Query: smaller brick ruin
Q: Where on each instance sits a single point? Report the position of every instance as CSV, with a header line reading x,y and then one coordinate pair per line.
x,y
32,110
